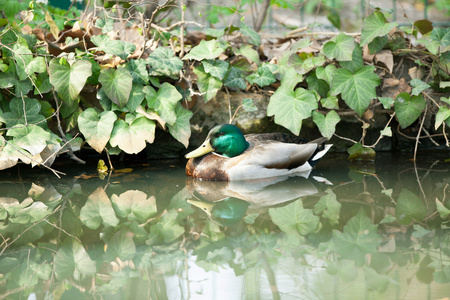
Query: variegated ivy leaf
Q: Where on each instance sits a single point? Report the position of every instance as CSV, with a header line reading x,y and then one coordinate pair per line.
x,y
164,61
263,77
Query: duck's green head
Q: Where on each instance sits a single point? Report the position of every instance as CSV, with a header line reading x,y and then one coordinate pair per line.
x,y
226,140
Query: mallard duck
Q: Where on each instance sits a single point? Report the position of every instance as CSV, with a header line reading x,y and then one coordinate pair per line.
x,y
228,155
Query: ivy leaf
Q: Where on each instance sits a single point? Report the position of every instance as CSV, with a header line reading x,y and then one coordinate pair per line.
x,y
291,107
375,25
164,61
386,101
418,86
303,66
293,218
204,50
69,79
164,102
329,207
166,230
138,70
117,85
248,52
217,68
441,35
98,210
356,89
20,114
361,153
262,77
386,132
121,245
339,47
378,44
131,135
330,102
409,207
114,47
442,115
248,105
134,205
358,238
137,95
356,62
32,138
96,127
207,83
234,79
326,73
318,85
181,130
23,57
444,212
73,260
254,37
326,124
408,109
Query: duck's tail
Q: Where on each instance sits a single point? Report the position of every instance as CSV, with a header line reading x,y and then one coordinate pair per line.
x,y
321,150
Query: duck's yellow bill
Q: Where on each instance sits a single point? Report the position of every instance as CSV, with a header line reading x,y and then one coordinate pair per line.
x,y
202,150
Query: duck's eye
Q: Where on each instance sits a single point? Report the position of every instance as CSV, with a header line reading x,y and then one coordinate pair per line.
x,y
221,133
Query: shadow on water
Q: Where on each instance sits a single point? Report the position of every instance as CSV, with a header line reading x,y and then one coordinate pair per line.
x,y
348,231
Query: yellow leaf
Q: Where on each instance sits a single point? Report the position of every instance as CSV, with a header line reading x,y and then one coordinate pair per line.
x,y
53,28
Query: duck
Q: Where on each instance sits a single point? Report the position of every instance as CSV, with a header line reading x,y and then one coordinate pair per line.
x,y
229,155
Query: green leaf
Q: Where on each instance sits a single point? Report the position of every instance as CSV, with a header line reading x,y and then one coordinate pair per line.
x,y
331,102
444,212
361,153
207,83
217,68
23,57
37,65
326,124
408,109
442,276
121,245
137,95
386,131
375,281
441,35
375,25
386,101
181,130
356,62
262,77
356,89
164,102
254,37
234,79
20,114
359,237
248,52
166,230
294,218
98,210
378,44
442,115
114,47
204,50
69,79
164,61
73,260
329,207
291,107
248,105
318,85
326,73
96,127
117,85
409,207
32,138
339,47
131,135
138,70
420,231
134,205
418,86
303,66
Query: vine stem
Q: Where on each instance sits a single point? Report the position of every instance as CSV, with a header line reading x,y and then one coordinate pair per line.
x,y
418,134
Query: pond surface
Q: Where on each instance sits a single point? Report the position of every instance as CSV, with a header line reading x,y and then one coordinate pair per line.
x,y
349,231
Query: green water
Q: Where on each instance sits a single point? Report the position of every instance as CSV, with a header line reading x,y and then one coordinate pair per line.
x,y
369,231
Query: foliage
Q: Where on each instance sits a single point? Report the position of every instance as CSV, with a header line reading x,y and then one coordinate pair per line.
x,y
103,237
61,74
